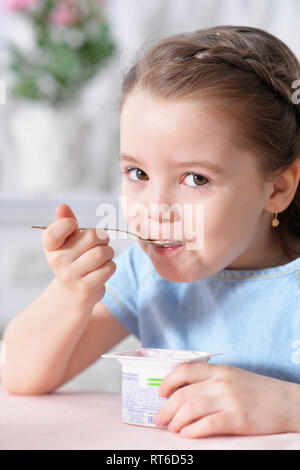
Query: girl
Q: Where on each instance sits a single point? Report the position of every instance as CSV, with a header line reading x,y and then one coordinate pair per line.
x,y
212,118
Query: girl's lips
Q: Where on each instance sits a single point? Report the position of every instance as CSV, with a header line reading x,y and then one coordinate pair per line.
x,y
167,243
168,251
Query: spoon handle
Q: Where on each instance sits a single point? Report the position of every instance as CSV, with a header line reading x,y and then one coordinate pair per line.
x,y
92,228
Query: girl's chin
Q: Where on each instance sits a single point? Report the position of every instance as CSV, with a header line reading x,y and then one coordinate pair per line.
x,y
173,272
172,276
168,266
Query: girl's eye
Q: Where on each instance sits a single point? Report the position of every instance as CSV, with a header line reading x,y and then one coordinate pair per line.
x,y
192,178
140,174
198,180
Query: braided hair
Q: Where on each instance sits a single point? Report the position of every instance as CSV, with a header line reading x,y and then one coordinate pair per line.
x,y
245,68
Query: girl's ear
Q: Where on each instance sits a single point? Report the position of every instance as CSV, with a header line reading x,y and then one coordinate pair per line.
x,y
284,188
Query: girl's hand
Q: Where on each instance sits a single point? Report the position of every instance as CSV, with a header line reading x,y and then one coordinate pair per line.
x,y
219,399
81,260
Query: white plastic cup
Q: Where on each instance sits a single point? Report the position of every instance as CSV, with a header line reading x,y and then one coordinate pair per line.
x,y
143,370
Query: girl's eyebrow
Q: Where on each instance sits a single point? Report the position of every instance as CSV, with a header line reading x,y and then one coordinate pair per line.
x,y
192,163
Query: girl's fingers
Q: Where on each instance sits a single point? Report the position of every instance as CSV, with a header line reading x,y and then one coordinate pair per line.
x,y
195,408
183,395
185,373
80,242
213,424
64,210
55,235
92,259
97,278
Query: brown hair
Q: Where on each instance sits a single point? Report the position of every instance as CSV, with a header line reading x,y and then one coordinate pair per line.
x,y
250,70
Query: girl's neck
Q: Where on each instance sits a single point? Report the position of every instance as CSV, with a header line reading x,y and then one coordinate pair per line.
x,y
281,261
265,255
284,259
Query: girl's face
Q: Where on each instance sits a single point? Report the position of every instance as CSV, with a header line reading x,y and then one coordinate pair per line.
x,y
159,139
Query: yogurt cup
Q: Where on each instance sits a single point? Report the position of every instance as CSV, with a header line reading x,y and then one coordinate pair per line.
x,y
143,370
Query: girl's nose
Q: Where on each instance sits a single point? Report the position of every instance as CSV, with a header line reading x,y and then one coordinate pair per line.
x,y
161,205
162,212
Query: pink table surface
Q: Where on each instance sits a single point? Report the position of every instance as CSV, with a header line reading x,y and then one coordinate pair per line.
x,y
92,420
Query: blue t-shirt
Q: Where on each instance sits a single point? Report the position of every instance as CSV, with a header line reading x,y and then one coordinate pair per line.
x,y
252,317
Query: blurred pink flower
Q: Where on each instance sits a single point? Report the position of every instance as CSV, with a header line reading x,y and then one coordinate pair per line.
x,y
63,15
17,5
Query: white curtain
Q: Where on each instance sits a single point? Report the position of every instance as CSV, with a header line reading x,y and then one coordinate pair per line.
x,y
133,20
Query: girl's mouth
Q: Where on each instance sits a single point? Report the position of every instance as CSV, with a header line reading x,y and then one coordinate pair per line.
x,y
166,243
168,251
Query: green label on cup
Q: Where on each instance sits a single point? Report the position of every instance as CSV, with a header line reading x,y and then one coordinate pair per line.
x,y
154,382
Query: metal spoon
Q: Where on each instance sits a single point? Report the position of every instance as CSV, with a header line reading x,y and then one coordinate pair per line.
x,y
159,243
